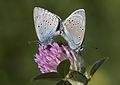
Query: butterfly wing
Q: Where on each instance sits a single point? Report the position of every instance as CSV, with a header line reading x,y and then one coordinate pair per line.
x,y
46,24
74,28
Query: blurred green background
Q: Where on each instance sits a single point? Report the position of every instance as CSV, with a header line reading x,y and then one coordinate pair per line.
x,y
17,66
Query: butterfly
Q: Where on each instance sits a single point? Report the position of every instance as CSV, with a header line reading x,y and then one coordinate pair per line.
x,y
48,25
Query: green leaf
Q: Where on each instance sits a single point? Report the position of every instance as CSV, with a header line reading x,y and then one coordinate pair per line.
x,y
67,83
77,76
49,76
62,82
64,67
97,65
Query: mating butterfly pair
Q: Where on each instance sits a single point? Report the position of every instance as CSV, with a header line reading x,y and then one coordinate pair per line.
x,y
48,25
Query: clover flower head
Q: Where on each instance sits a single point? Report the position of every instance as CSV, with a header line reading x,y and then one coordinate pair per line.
x,y
49,56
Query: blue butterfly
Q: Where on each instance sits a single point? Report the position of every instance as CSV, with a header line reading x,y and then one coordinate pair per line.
x,y
48,25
